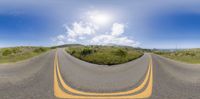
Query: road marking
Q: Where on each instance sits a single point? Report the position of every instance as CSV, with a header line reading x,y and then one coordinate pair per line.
x,y
58,92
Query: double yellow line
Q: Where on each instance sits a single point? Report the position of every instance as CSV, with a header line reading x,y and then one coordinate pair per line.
x,y
60,86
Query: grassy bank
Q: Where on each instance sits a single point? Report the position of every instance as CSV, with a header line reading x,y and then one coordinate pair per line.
x,y
188,56
15,54
105,55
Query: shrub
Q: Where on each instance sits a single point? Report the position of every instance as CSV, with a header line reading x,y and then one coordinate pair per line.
x,y
71,51
39,50
7,52
16,50
104,55
189,54
120,52
86,51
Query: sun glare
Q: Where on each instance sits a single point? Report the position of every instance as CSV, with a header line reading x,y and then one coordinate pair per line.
x,y
100,19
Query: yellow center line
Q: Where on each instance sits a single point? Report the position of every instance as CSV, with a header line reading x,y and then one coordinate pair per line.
x,y
58,92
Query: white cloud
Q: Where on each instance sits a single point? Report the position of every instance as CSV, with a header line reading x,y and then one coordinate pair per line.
x,y
80,29
61,37
117,29
115,37
109,39
60,42
88,33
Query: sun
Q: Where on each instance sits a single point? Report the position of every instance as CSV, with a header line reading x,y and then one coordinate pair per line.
x,y
100,18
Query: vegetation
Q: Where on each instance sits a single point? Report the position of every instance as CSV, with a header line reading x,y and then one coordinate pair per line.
x,y
187,55
65,45
15,54
105,55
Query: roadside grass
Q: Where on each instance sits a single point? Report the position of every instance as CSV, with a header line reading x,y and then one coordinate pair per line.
x,y
104,55
15,54
187,55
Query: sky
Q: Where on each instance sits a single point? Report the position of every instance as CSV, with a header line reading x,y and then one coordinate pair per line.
x,y
137,23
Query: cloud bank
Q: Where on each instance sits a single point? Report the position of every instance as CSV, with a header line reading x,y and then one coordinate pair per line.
x,y
90,34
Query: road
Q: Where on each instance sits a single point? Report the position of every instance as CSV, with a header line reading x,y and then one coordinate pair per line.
x,y
57,74
175,80
30,79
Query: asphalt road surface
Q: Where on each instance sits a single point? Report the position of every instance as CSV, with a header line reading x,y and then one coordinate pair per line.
x,y
175,80
30,79
42,76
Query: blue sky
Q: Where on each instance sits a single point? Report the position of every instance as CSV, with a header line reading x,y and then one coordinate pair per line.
x,y
142,23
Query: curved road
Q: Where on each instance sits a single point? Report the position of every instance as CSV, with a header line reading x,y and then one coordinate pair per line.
x,y
30,79
96,78
35,78
175,80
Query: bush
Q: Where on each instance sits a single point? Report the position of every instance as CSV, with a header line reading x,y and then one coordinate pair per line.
x,y
86,51
71,51
189,54
104,55
7,52
16,50
120,52
39,50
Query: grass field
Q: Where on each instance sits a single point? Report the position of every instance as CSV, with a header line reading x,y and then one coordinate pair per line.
x,y
187,55
15,54
105,55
